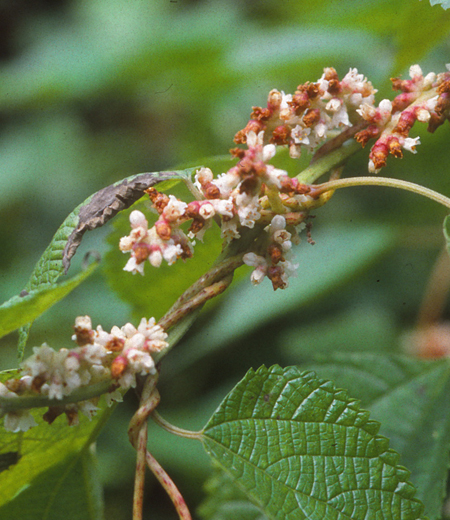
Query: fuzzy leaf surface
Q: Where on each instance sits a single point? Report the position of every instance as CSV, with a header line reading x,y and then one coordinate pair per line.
x,y
411,399
300,448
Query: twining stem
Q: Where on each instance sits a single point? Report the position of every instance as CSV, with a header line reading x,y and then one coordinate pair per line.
x,y
139,476
169,486
181,432
381,181
137,433
217,272
175,315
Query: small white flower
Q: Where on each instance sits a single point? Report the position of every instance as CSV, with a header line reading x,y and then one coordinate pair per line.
x,y
113,397
133,266
415,71
88,409
203,176
300,134
129,330
137,219
174,209
367,111
411,143
155,258
269,152
19,421
254,139
207,210
171,253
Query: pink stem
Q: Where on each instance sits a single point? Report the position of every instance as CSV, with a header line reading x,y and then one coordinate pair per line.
x,y
139,478
171,489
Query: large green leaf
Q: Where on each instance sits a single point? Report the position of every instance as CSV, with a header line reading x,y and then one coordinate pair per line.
x,y
303,449
21,310
71,486
339,254
411,399
45,457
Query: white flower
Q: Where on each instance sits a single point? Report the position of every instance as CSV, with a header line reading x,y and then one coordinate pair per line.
x,y
155,258
174,209
415,71
137,219
411,143
254,139
19,421
223,207
172,252
113,397
229,230
269,152
207,210
367,111
300,134
203,176
133,266
88,408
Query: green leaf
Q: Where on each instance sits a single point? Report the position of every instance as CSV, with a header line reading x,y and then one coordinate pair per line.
x,y
21,310
226,501
339,254
303,449
94,212
47,456
71,486
410,397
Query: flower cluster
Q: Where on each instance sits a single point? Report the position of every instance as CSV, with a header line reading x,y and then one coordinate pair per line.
x,y
256,193
306,118
119,355
425,99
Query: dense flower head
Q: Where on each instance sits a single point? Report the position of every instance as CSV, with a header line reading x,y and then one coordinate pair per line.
x,y
423,98
119,355
256,193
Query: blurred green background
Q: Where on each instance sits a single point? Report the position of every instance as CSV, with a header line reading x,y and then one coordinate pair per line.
x,y
93,91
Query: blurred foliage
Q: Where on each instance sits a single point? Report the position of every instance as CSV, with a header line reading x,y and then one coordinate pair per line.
x,y
93,91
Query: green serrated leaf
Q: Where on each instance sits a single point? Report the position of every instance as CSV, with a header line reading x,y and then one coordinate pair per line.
x,y
21,310
410,397
302,449
45,457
